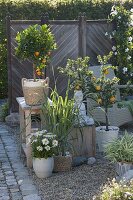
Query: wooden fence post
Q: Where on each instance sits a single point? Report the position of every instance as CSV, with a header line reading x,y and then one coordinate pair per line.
x,y
8,33
82,35
45,20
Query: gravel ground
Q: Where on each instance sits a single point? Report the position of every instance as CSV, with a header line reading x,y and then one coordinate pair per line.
x,y
81,182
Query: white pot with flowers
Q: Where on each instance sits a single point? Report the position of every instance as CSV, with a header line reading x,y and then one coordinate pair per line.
x,y
105,91
44,146
36,44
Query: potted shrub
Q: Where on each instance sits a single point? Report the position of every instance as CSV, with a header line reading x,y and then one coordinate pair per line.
x,y
105,91
120,151
59,119
44,145
35,43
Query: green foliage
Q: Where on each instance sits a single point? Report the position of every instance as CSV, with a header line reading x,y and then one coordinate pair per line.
x,y
4,110
121,150
35,43
44,144
60,118
77,70
123,36
103,87
116,191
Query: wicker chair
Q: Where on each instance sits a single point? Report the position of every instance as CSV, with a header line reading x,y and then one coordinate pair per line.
x,y
117,116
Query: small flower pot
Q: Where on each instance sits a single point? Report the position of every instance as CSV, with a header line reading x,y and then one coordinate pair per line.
x,y
104,137
35,92
43,167
62,163
122,168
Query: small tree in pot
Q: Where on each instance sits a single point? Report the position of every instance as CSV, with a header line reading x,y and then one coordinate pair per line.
x,y
35,43
105,91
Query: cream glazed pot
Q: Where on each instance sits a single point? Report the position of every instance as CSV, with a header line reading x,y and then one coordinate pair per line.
x,y
43,167
104,137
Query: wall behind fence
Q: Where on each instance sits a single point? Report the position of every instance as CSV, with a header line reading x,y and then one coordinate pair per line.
x,y
74,38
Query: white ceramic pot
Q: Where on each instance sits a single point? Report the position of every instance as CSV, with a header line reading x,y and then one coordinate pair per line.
x,y
43,167
104,137
122,168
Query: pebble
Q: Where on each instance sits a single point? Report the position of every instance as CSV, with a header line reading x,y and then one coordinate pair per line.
x,y
91,161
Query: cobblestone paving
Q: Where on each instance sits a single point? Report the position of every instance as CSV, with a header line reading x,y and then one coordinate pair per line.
x,y
15,181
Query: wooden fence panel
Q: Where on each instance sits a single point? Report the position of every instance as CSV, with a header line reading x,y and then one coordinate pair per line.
x,y
96,41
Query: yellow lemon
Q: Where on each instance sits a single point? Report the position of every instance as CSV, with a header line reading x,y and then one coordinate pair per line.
x,y
36,54
98,87
112,99
99,101
106,71
44,60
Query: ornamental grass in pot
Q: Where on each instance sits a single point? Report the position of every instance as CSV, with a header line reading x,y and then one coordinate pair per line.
x,y
44,145
36,44
120,151
59,119
105,92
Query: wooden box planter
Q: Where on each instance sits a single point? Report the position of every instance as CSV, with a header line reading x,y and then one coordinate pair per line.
x,y
83,141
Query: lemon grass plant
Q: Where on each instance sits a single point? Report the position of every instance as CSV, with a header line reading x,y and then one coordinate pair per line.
x,y
60,118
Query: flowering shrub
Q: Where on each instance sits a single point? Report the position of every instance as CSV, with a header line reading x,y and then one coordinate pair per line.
x,y
44,144
35,43
77,70
104,87
122,35
116,191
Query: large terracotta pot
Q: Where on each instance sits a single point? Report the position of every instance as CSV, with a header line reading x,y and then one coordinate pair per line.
x,y
104,137
35,92
43,167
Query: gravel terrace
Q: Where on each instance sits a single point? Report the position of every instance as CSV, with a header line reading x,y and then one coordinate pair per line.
x,y
82,182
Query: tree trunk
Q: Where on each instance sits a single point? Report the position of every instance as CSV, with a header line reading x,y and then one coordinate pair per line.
x,y
34,72
106,116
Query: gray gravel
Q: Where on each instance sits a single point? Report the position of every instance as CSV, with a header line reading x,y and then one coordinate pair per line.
x,y
82,182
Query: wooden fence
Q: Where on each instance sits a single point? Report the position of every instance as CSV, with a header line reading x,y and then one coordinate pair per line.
x,y
74,38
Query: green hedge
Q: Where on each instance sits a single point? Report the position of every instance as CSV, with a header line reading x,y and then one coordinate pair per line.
x,y
60,9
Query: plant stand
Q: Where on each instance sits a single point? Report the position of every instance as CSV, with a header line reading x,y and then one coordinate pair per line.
x,y
25,113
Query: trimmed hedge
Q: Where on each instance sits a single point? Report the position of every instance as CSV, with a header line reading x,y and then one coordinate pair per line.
x,y
60,9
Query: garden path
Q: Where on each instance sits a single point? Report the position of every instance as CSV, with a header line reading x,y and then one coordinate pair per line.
x,y
15,181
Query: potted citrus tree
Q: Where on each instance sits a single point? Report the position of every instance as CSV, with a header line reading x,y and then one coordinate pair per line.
x,y
59,119
35,43
120,151
44,146
105,91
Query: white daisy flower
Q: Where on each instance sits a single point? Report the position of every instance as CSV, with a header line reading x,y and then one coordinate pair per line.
x,y
131,10
130,39
114,12
45,141
124,70
55,143
113,32
128,57
127,49
47,148
106,34
110,37
114,48
119,17
115,53
39,148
